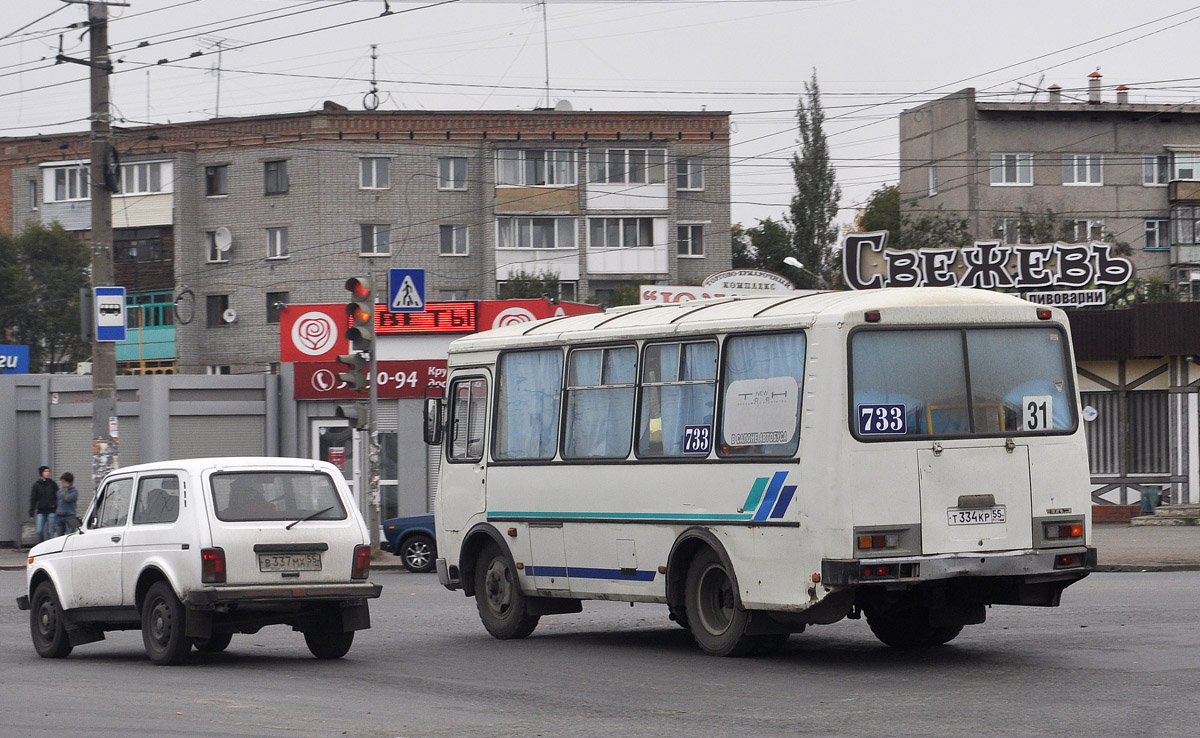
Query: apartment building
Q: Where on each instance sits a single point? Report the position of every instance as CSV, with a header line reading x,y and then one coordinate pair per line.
x,y
220,224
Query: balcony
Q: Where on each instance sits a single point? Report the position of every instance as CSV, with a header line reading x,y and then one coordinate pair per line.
x,y
1182,190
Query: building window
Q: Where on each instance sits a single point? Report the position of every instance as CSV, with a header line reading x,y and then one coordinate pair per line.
x,y
1187,225
1088,229
689,174
933,180
218,369
627,166
146,178
215,255
568,291
691,240
453,240
1083,169
1186,165
1007,230
1157,234
216,180
614,233
453,295
376,240
277,243
1154,170
149,309
533,168
136,244
33,194
216,305
68,183
375,173
535,233
452,173
276,302
1012,169
276,177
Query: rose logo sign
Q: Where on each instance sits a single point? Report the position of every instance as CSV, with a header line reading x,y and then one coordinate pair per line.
x,y
314,333
512,316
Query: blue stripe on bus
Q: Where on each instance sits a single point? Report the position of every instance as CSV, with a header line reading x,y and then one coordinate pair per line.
x,y
772,494
584,572
785,499
716,517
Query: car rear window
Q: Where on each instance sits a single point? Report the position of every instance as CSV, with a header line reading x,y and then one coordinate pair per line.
x,y
258,496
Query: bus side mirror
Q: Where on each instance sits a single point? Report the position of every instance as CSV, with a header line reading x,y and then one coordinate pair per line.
x,y
433,421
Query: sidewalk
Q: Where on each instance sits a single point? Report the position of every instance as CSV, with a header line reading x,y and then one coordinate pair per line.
x,y
1122,547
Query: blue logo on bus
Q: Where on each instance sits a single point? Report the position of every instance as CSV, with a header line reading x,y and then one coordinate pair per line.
x,y
769,497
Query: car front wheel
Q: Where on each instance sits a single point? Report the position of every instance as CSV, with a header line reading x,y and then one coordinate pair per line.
x,y
163,626
418,553
46,624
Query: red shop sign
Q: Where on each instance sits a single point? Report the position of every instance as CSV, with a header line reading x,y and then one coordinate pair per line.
x,y
397,379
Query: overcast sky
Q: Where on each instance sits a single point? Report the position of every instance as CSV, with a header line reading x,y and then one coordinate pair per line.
x,y
873,58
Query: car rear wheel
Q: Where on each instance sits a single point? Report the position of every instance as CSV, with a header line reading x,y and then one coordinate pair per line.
x,y
46,624
502,606
215,643
418,552
163,626
329,644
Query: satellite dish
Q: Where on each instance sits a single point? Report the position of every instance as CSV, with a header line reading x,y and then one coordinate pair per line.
x,y
564,105
229,316
223,240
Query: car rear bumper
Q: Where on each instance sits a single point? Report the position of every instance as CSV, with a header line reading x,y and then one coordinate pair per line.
x,y
211,596
1035,565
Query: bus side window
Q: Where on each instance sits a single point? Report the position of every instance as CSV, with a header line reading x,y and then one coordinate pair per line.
x,y
529,393
764,377
678,391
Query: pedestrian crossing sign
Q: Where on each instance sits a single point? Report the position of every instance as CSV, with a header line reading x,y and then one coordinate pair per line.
x,y
406,290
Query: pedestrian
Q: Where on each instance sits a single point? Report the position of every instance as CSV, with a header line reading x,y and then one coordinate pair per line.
x,y
68,496
43,501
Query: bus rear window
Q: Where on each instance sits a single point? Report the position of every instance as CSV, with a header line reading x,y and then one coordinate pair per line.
x,y
960,382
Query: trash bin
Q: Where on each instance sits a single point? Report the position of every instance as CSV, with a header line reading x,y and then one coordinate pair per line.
x,y
1150,493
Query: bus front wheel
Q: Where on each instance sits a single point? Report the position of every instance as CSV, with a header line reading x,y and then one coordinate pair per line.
x,y
502,606
716,620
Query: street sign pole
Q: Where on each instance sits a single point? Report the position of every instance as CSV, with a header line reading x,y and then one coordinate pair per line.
x,y
374,517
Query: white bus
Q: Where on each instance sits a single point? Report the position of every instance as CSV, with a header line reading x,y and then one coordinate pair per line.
x,y
761,464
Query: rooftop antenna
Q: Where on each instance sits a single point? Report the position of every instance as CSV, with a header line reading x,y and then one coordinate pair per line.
x,y
371,99
215,42
546,50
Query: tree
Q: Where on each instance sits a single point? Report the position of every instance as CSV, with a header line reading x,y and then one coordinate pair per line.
x,y
743,255
522,284
770,244
41,274
815,204
882,213
933,230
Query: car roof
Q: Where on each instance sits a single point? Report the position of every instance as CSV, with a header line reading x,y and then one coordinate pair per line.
x,y
230,463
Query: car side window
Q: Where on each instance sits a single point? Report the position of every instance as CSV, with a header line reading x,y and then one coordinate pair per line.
x,y
157,500
113,508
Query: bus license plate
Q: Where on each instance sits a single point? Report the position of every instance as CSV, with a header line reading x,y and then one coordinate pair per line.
x,y
289,562
976,516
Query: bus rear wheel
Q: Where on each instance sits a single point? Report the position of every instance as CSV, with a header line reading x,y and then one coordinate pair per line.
x,y
909,628
502,606
716,620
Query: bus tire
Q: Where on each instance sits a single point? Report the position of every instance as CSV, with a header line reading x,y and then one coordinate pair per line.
x,y
717,622
909,628
502,605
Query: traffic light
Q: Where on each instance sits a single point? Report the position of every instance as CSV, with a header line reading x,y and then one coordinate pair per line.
x,y
358,414
361,310
355,375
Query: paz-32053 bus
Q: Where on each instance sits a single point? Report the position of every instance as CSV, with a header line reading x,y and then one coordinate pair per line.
x,y
761,464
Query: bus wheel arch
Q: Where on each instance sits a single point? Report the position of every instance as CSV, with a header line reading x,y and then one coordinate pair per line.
x,y
473,544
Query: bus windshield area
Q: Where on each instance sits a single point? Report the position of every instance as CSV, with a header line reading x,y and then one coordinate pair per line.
x,y
960,382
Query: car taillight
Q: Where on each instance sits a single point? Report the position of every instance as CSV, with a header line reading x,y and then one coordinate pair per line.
x,y
362,562
212,565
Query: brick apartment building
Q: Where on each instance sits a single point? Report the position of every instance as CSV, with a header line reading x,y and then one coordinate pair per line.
x,y
237,217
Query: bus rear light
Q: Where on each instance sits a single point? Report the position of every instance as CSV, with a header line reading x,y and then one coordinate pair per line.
x,y
871,316
880,571
1068,561
878,541
1043,313
362,562
1061,531
212,565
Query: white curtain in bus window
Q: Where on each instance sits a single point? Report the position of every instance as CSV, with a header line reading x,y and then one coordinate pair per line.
x,y
529,389
1019,380
467,419
920,370
678,392
600,394
764,377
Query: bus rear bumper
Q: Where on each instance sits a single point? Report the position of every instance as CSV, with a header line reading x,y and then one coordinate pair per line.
x,y
1038,565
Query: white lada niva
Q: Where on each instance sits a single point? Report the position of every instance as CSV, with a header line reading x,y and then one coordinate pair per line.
x,y
195,551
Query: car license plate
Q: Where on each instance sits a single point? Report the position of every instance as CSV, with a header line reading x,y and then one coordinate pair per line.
x,y
289,562
976,516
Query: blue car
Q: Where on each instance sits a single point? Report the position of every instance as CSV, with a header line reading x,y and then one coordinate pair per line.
x,y
413,540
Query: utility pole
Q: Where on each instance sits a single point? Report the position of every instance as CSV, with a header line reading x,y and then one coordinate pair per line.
x,y
104,355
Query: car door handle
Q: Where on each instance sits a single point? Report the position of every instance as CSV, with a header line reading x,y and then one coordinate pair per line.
x,y
116,539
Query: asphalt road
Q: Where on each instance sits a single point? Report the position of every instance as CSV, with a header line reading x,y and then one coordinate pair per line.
x,y
1121,657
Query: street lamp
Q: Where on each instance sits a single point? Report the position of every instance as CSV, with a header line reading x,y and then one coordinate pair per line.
x,y
796,264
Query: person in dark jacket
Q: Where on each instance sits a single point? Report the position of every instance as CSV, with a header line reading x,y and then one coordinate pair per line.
x,y
43,501
68,496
